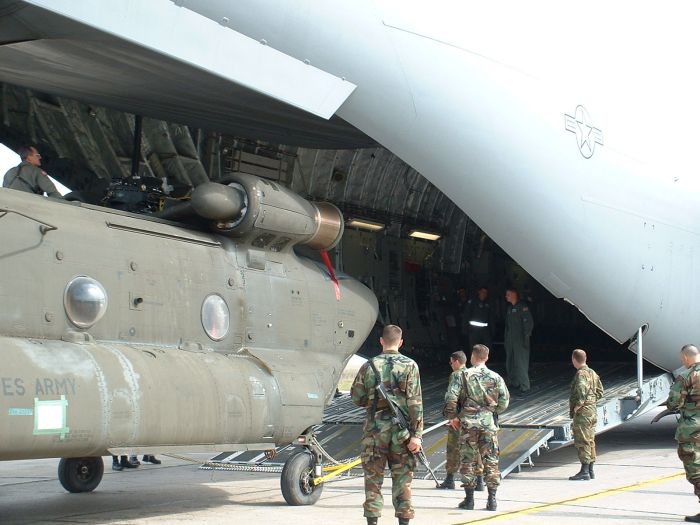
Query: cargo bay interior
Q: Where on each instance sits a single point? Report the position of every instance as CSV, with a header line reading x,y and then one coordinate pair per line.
x,y
417,281
106,156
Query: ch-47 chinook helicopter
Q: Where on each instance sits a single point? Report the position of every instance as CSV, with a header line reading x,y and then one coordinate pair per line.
x,y
130,333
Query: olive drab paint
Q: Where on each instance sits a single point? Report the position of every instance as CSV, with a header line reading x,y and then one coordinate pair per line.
x,y
138,356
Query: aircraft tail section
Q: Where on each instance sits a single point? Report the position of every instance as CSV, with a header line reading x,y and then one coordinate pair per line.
x,y
208,46
159,60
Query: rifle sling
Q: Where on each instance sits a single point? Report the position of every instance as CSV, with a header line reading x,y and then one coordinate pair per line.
x,y
474,407
377,393
375,400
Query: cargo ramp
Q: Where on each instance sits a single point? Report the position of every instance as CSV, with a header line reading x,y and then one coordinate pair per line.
x,y
532,424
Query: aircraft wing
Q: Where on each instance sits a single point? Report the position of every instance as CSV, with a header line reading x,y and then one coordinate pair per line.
x,y
157,59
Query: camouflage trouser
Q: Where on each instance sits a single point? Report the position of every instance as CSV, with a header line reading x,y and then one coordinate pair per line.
x,y
689,454
378,449
453,454
583,428
474,443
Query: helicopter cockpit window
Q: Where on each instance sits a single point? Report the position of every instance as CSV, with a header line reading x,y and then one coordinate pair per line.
x,y
215,317
85,301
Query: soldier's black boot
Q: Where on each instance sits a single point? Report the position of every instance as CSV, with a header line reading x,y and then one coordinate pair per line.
x,y
115,463
491,502
693,519
403,521
147,458
582,475
468,502
372,521
590,471
448,483
126,463
479,483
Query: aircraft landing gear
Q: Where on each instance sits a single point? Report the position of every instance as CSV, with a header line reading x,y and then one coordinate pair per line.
x,y
297,480
80,474
302,474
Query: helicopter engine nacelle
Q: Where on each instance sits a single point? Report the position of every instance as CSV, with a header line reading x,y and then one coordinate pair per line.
x,y
267,214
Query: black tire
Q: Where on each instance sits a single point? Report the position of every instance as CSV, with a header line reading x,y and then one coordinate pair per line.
x,y
80,474
297,480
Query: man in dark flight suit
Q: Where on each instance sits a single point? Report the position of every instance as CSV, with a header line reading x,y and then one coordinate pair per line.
x,y
519,324
477,320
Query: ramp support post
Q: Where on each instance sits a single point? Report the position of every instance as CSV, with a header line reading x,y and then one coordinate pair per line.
x,y
640,363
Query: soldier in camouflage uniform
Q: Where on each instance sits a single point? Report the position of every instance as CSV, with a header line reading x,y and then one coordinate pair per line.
x,y
457,361
586,390
482,395
382,440
685,397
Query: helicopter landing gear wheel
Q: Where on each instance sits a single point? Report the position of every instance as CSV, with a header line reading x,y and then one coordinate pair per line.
x,y
80,474
297,480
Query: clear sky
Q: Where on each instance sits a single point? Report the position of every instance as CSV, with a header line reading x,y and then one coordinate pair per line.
x,y
9,159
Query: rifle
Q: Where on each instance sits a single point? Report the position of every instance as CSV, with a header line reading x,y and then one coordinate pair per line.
x,y
399,418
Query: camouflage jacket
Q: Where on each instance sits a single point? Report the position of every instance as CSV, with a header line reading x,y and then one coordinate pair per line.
x,y
586,387
452,407
402,381
685,397
474,395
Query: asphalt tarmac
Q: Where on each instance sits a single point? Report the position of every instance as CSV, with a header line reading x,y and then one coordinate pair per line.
x,y
639,480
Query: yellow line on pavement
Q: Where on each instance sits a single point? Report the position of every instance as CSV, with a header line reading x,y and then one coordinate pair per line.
x,y
603,493
439,443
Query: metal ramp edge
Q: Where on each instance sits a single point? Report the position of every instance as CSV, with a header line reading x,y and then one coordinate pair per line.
x,y
519,444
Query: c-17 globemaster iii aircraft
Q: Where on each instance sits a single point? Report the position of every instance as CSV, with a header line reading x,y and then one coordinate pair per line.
x,y
567,135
